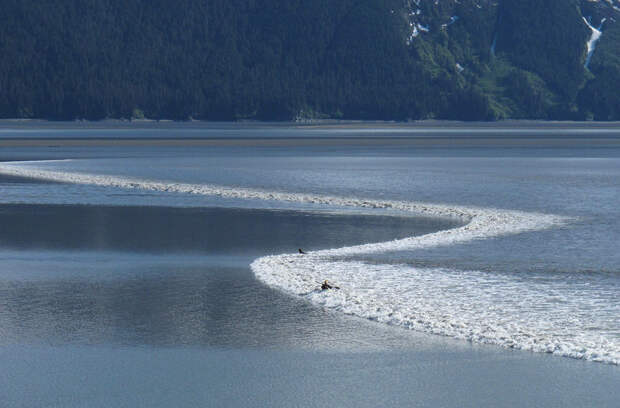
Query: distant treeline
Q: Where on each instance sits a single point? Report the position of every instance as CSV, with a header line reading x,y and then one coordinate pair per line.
x,y
288,59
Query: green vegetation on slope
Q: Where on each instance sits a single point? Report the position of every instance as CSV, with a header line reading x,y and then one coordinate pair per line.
x,y
600,98
287,59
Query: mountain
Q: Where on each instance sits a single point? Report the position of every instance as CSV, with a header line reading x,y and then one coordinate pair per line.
x,y
294,59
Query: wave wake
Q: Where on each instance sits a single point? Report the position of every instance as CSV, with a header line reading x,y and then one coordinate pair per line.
x,y
480,307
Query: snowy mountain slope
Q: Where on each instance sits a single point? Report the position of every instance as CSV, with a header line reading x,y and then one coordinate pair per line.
x,y
426,16
521,53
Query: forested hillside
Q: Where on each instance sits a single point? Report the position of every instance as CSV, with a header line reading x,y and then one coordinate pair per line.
x,y
293,59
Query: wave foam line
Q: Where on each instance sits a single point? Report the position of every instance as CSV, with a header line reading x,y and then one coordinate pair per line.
x,y
482,222
299,275
535,315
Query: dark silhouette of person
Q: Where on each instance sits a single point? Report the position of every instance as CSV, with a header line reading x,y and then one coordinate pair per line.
x,y
301,251
326,286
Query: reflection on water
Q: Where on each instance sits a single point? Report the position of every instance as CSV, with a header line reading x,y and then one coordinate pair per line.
x,y
137,300
203,230
205,306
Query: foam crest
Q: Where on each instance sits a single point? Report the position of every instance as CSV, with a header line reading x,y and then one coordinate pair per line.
x,y
501,309
482,222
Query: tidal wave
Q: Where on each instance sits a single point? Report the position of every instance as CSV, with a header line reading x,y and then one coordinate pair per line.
x,y
565,318
499,309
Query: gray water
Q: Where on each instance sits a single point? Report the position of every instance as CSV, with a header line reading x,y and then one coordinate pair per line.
x,y
126,297
166,276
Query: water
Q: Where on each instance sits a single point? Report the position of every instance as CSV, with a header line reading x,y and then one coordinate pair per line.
x,y
503,237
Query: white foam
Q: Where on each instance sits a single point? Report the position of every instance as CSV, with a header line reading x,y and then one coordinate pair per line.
x,y
480,307
549,316
483,221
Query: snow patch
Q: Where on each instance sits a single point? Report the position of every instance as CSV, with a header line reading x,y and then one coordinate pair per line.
x,y
594,39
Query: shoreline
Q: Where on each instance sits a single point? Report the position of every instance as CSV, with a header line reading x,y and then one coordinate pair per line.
x,y
48,134
511,141
318,123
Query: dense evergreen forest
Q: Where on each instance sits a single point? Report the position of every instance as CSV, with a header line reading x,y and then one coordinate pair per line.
x,y
293,59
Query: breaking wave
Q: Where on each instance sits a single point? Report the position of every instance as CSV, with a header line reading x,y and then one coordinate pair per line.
x,y
502,309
